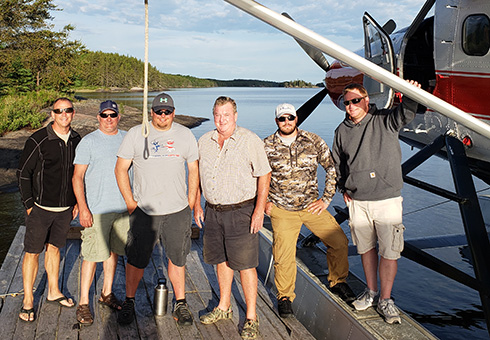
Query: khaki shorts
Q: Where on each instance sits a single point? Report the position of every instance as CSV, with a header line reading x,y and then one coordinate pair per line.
x,y
108,233
379,222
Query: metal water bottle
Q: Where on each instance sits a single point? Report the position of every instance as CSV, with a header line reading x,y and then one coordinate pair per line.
x,y
160,297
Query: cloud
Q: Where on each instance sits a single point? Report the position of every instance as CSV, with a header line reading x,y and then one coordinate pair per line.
x,y
213,39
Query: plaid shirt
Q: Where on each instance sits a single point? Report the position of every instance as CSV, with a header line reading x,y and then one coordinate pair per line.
x,y
294,182
229,175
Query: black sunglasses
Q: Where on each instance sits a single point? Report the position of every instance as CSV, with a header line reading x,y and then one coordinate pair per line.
x,y
283,118
105,115
353,101
163,111
67,110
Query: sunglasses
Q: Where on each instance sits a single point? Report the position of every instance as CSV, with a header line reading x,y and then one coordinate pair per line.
x,y
105,115
353,101
67,110
283,118
163,111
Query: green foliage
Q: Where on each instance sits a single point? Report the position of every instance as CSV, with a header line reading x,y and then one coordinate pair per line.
x,y
112,70
297,83
28,39
24,110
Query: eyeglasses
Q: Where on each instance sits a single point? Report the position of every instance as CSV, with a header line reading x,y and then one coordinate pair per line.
x,y
105,115
163,111
67,110
283,118
353,101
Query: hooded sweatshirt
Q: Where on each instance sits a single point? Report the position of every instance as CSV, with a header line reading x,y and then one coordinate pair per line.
x,y
367,155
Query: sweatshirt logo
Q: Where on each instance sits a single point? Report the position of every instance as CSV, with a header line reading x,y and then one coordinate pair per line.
x,y
372,174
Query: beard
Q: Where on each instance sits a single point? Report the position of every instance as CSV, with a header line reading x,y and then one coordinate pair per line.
x,y
287,132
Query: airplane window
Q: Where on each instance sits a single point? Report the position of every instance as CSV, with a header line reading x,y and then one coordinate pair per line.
x,y
476,35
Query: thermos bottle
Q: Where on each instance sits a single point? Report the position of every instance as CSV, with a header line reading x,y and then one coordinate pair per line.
x,y
160,297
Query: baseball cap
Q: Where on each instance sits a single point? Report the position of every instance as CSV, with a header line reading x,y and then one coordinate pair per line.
x,y
109,105
285,109
162,101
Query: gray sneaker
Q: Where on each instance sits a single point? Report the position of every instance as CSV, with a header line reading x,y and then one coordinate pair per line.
x,y
388,310
365,300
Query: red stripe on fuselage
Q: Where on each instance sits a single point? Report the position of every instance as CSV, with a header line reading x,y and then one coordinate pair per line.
x,y
467,91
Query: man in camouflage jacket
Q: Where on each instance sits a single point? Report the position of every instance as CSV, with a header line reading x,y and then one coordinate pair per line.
x,y
294,156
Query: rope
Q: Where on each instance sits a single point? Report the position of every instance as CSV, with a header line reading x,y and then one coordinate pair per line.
x,y
437,204
145,126
20,292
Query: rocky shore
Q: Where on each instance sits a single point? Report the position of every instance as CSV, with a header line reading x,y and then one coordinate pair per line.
x,y
85,121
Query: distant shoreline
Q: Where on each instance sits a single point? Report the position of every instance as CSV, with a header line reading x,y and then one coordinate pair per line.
x,y
85,121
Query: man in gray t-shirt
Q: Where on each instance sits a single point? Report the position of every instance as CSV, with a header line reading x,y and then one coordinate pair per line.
x,y
158,204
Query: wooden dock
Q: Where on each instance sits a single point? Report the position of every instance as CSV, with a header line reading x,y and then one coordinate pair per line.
x,y
53,322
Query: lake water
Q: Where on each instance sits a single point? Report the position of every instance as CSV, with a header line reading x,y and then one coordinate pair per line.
x,y
446,308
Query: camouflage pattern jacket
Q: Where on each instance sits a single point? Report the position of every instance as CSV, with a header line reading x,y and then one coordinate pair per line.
x,y
294,182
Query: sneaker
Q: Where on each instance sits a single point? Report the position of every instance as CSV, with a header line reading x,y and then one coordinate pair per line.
x,y
250,329
284,307
216,315
343,291
388,310
182,314
126,314
365,300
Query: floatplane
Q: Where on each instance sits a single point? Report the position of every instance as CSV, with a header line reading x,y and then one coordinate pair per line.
x,y
448,53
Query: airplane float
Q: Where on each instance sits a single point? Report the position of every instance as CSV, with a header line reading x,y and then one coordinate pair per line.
x,y
449,55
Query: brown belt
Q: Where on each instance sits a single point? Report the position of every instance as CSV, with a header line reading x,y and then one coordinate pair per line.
x,y
228,207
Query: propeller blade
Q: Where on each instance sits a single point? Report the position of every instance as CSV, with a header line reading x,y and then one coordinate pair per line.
x,y
307,108
315,54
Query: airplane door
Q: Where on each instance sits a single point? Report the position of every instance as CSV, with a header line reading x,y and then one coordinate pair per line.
x,y
378,49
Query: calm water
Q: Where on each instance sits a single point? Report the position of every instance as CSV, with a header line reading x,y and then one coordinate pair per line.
x,y
446,308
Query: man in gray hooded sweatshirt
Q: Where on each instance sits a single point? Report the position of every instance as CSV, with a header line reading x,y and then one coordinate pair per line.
x,y
367,157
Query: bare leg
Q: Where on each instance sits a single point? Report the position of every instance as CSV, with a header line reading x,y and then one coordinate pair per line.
x,y
52,265
86,278
177,278
249,285
109,270
30,267
133,278
387,273
370,266
225,279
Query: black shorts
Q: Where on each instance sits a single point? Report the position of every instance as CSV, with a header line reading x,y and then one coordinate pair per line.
x,y
227,238
145,230
43,226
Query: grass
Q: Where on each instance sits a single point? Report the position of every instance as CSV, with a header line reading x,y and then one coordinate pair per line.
x,y
24,110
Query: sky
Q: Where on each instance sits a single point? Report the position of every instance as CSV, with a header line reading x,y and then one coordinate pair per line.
x,y
213,39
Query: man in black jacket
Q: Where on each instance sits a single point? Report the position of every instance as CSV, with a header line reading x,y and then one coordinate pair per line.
x,y
45,182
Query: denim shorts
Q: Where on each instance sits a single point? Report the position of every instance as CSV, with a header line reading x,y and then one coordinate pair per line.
x,y
227,238
174,230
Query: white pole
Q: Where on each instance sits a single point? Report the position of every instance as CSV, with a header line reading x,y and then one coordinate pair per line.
x,y
299,32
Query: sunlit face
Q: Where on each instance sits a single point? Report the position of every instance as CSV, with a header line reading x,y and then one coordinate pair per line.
x,y
357,111
162,122
108,125
287,127
225,119
62,120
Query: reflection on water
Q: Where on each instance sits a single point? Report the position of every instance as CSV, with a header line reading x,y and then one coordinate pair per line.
x,y
11,217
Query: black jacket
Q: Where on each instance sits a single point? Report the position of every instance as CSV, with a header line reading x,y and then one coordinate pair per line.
x,y
46,169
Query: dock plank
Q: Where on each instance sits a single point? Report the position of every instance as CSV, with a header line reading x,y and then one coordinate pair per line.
x,y
55,322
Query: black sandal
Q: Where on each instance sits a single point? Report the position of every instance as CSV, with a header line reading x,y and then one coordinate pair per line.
x,y
84,316
28,312
110,301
